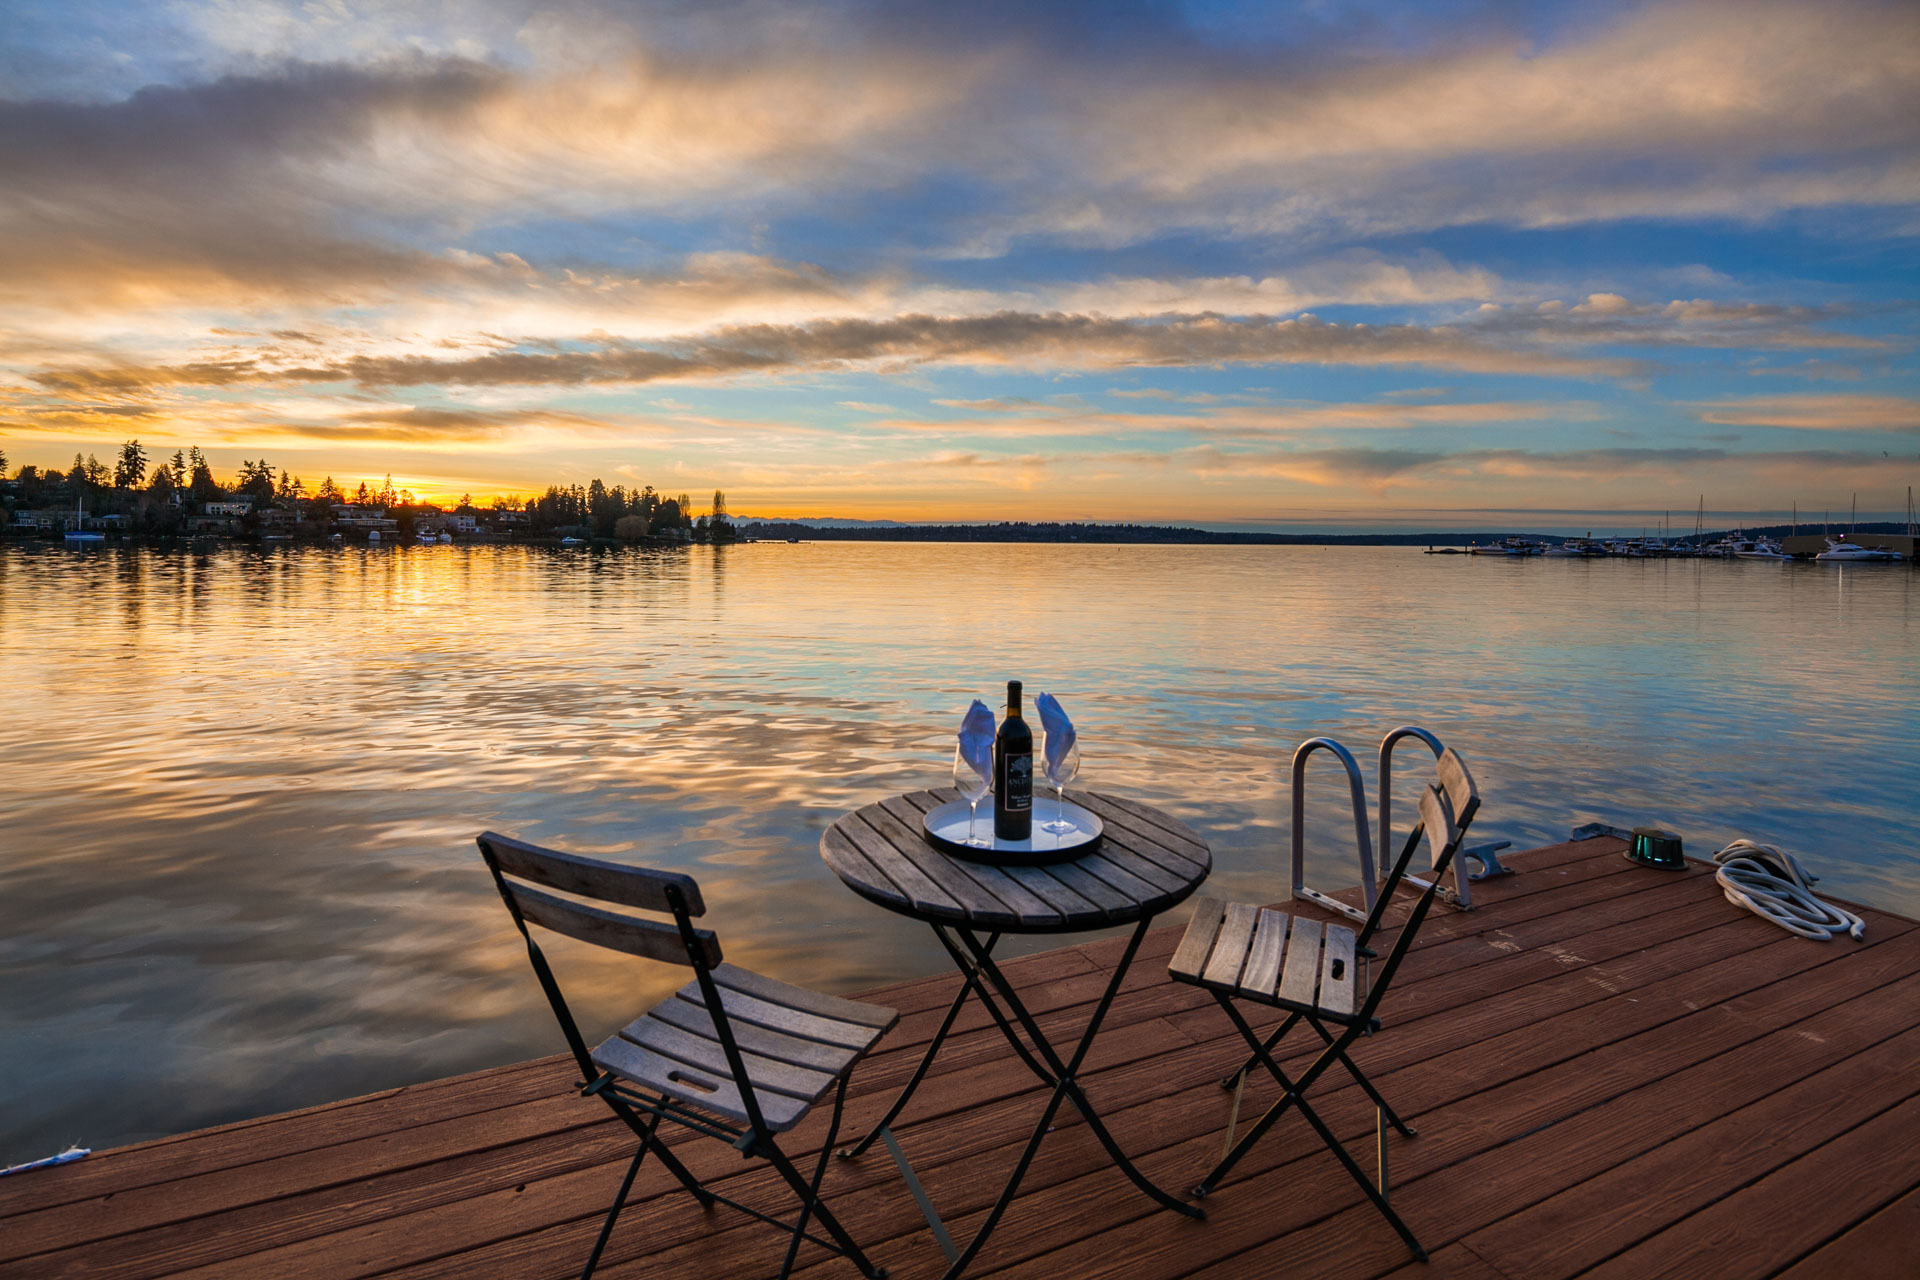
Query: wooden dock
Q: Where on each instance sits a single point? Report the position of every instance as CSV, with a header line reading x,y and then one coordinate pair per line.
x,y
1615,1073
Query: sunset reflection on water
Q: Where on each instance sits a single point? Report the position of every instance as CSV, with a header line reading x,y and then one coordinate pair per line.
x,y
242,788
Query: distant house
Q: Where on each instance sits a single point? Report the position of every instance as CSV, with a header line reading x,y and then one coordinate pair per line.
x,y
350,517
461,521
40,520
232,510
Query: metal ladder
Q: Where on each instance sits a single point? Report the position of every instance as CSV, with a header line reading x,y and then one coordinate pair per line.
x,y
1459,896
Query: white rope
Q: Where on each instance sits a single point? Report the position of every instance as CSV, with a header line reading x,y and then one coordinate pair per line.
x,y
1772,885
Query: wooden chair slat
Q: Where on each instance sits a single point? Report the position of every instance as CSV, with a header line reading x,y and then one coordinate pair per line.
x,y
1338,981
708,1091
647,938
816,1003
1190,957
692,1016
1436,815
1300,973
629,886
1230,947
1261,977
767,1074
1458,783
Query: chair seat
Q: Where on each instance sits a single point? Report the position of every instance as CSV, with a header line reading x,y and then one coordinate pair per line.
x,y
1270,957
797,1045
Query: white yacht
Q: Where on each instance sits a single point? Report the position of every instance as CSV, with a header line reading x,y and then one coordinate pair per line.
x,y
1763,549
1840,551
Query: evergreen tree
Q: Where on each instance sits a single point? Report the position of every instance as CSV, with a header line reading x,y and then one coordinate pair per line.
x,y
131,471
179,469
201,486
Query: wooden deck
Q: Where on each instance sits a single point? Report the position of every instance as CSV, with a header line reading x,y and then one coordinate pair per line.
x,y
1615,1073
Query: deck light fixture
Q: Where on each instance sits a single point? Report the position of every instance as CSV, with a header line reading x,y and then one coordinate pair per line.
x,y
1652,847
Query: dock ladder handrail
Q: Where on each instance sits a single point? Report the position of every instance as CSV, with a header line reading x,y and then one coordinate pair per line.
x,y
1459,895
1369,882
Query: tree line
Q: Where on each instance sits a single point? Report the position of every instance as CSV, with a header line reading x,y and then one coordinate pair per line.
x,y
161,496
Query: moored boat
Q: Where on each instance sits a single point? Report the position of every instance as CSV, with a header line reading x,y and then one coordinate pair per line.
x,y
1840,551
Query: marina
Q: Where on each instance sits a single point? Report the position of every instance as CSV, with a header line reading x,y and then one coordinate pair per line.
x,y
1613,1072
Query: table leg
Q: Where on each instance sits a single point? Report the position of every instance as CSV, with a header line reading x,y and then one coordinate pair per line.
x,y
1065,1076
971,969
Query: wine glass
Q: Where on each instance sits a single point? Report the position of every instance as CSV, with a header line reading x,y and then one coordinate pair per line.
x,y
972,785
1060,773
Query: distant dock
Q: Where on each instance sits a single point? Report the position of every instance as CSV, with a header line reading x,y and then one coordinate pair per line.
x,y
1614,1071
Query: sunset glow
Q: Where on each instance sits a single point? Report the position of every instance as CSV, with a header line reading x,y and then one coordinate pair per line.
x,y
1406,265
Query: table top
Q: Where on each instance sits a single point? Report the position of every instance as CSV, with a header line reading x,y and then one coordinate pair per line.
x,y
1147,862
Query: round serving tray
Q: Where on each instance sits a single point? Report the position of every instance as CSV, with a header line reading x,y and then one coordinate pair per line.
x,y
946,830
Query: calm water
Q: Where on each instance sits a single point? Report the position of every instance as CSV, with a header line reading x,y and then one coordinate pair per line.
x,y
240,789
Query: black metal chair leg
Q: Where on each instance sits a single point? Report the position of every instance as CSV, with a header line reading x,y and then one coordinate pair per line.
x,y
1359,1077
812,1197
619,1202
661,1152
1233,1081
1359,1175
1290,1094
1391,1116
848,1248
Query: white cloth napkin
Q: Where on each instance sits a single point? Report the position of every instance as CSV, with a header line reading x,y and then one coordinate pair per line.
x,y
976,740
1059,730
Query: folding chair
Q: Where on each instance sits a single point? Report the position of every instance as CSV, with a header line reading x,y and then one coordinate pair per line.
x,y
1242,951
688,1059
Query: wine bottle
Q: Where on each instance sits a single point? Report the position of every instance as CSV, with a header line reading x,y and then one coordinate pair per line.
x,y
1013,773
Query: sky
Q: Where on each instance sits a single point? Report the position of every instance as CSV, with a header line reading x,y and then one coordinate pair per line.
x,y
1312,265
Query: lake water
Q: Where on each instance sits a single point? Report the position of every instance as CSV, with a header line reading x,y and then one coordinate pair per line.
x,y
240,789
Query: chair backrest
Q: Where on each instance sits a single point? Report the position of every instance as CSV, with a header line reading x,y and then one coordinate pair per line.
x,y
518,866
1459,801
1462,794
1441,827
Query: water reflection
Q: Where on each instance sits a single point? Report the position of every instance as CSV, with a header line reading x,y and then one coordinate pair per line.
x,y
242,788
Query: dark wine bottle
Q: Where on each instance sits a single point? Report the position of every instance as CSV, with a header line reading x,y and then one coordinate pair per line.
x,y
1013,773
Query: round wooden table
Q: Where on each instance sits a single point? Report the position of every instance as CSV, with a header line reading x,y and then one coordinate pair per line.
x,y
1146,863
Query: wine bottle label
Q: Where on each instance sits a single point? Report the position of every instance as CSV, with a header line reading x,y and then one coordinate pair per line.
x,y
1019,782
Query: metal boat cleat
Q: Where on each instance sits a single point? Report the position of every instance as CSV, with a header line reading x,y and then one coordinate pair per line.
x,y
1487,855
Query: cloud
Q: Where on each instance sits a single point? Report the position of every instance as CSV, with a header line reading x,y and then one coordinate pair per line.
x,y
1815,412
1018,339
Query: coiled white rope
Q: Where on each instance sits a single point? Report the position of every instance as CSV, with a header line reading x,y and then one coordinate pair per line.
x,y
1772,885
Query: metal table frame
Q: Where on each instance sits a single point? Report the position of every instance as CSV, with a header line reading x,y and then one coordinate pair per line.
x,y
974,958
